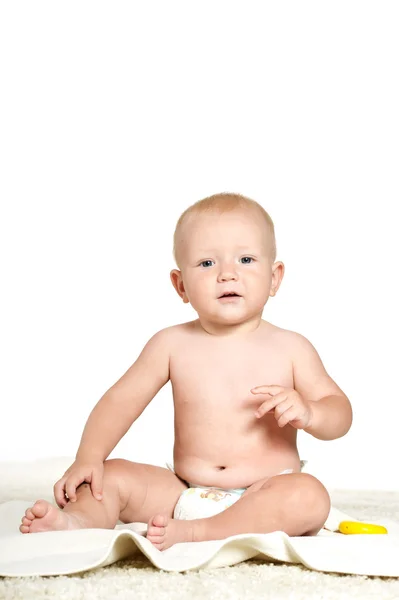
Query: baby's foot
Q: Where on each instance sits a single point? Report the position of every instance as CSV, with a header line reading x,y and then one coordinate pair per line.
x,y
163,531
43,516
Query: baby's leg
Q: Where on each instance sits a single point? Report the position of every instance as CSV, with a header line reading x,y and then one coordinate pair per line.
x,y
132,492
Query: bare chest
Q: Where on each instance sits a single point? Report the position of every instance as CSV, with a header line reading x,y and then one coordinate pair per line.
x,y
221,374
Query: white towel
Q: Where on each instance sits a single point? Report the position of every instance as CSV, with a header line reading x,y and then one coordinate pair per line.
x,y
68,552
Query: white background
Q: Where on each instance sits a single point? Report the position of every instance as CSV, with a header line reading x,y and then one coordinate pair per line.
x,y
117,116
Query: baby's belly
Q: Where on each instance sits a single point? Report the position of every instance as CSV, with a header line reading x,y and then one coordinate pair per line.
x,y
238,464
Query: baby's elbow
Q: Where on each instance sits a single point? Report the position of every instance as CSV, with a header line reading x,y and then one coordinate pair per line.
x,y
350,410
347,418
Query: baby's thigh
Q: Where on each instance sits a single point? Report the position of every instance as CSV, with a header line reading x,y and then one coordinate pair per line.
x,y
144,490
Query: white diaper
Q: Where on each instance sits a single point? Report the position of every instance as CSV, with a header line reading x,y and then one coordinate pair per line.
x,y
200,502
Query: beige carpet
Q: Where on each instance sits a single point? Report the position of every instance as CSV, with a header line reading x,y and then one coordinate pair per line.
x,y
138,578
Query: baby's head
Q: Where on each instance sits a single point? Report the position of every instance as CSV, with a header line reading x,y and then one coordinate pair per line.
x,y
222,243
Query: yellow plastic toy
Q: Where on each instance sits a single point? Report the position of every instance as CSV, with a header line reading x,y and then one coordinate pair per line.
x,y
355,527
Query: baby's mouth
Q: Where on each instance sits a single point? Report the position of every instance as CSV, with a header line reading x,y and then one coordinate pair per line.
x,y
229,296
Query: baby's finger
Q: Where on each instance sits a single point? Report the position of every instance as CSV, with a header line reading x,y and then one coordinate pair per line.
x,y
267,405
70,489
288,415
282,407
261,410
59,493
264,408
267,389
96,485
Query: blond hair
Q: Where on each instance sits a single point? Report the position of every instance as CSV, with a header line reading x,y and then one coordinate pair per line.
x,y
221,203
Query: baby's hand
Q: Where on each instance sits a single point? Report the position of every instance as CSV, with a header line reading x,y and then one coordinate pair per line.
x,y
289,406
78,472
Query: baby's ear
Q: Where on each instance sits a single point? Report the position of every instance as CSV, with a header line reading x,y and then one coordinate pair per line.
x,y
278,270
174,277
177,282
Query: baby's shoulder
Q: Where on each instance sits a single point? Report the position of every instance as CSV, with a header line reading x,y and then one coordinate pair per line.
x,y
295,344
287,337
175,333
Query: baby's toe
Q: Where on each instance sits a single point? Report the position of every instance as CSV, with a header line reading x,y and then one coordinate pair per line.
x,y
24,529
29,514
154,531
40,508
160,521
26,521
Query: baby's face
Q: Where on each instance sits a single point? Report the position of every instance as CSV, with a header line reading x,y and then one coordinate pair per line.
x,y
222,253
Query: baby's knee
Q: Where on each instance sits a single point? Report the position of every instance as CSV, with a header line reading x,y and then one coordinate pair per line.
x,y
121,471
317,499
118,473
115,465
313,488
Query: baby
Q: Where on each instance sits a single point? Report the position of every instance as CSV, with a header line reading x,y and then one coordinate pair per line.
x,y
242,389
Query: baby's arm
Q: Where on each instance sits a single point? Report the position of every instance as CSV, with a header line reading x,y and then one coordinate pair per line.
x,y
331,409
124,402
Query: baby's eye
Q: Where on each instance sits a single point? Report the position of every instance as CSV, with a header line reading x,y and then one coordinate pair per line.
x,y
205,261
250,258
